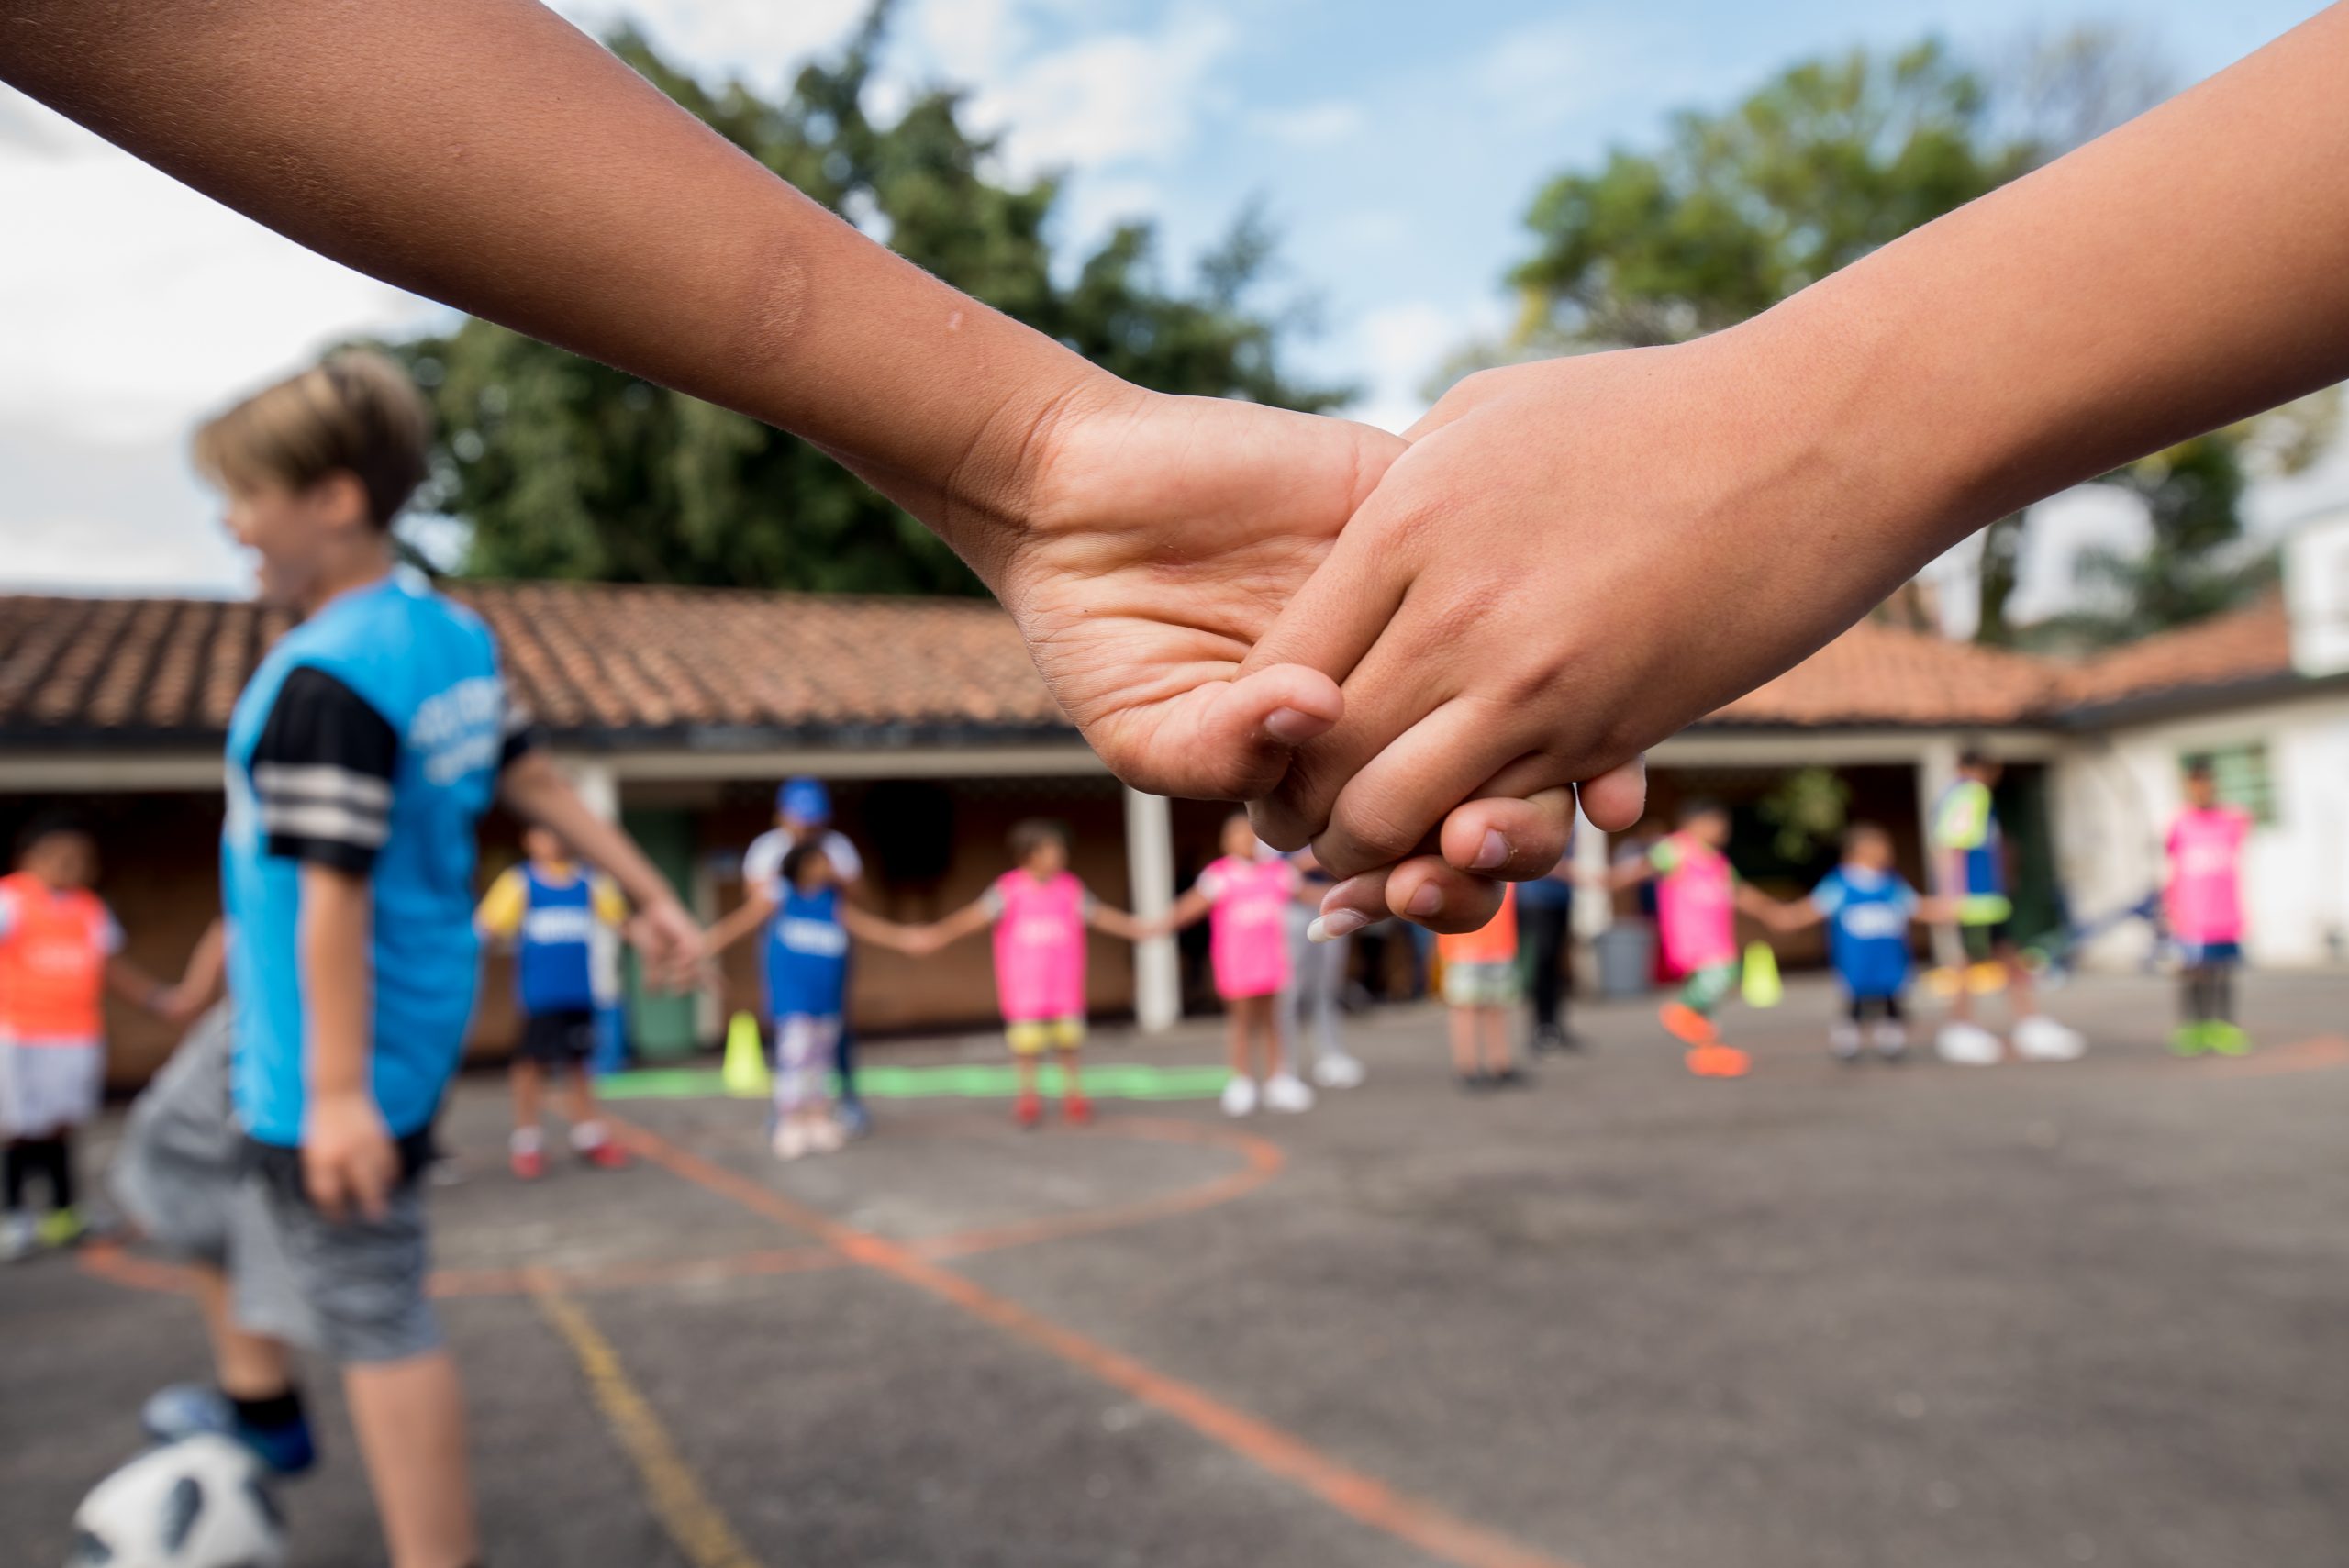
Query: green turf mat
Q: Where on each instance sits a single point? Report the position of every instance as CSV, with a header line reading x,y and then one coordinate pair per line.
x,y
975,1080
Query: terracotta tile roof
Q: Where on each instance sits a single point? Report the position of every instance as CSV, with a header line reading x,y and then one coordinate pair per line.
x,y
1877,675
621,665
2254,643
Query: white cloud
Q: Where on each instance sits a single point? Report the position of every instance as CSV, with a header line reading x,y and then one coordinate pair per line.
x,y
135,303
760,40
1313,125
1107,98
1396,349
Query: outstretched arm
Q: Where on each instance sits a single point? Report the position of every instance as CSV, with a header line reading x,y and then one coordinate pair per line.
x,y
976,916
1514,608
1188,910
867,927
664,934
1117,923
748,916
489,155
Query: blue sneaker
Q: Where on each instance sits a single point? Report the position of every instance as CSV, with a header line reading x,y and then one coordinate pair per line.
x,y
186,1409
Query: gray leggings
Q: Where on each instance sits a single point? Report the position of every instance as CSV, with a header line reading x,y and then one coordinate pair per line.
x,y
1316,980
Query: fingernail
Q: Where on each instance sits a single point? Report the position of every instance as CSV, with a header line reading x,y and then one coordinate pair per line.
x,y
1425,901
1292,726
1493,853
1337,923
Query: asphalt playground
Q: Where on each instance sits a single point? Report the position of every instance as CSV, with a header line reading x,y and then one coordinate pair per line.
x,y
1917,1314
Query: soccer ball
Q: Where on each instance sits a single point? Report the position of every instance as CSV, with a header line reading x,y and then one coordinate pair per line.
x,y
196,1503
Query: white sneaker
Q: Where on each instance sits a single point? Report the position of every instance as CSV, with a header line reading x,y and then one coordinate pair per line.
x,y
1890,1039
1843,1042
1968,1045
1240,1095
2041,1039
1337,1071
825,1136
19,1237
1286,1092
790,1138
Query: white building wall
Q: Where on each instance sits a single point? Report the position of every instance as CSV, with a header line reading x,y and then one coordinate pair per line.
x,y
2115,794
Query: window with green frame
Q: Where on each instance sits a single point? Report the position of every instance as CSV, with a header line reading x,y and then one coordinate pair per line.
x,y
2242,776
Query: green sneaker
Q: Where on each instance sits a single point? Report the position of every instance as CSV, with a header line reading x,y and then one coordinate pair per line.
x,y
61,1227
2227,1040
2190,1039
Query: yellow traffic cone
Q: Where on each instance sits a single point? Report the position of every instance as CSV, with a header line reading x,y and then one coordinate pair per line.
x,y
745,1075
1762,987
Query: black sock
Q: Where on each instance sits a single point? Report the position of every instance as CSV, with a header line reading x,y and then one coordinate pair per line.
x,y
16,1161
2222,996
2189,997
268,1411
61,1170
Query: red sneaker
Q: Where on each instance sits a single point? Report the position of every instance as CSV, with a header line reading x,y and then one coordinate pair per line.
x,y
1728,1061
1029,1109
1078,1110
528,1164
606,1155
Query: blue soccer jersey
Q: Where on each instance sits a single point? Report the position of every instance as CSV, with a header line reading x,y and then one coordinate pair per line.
x,y
806,955
1868,933
370,739
554,965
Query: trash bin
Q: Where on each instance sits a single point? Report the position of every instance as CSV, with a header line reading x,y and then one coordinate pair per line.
x,y
1626,958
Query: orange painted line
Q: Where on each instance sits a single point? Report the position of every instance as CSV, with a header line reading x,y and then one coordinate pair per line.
x,y
1264,1161
1361,1497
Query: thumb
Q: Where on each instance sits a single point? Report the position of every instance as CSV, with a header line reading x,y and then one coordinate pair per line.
x,y
1224,739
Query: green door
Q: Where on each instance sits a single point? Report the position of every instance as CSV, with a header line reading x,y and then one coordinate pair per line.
x,y
661,1028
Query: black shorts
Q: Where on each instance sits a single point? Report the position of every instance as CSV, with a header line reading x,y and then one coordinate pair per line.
x,y
566,1039
1866,1007
1984,943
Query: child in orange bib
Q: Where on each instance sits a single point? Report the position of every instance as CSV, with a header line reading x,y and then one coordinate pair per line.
x,y
59,951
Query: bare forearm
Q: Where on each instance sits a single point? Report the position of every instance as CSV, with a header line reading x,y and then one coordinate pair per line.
x,y
337,991
487,154
2178,274
534,789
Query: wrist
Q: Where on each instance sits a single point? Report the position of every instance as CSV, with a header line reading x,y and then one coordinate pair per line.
x,y
1025,473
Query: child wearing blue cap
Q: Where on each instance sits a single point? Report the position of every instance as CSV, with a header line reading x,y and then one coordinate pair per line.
x,y
803,814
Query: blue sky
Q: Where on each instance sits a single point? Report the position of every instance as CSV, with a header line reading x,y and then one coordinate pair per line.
x,y
1394,145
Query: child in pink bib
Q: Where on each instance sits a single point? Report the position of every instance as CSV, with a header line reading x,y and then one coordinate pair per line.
x,y
1041,913
2204,903
1248,893
1698,897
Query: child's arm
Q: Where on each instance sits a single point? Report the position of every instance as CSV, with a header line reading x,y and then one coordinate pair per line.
x,y
500,913
1752,900
671,943
867,927
1615,878
1117,923
205,979
349,1163
1792,915
128,980
488,154
748,916
976,916
1940,910
1188,910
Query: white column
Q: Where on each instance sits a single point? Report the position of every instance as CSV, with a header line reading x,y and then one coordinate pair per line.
x,y
598,788
1594,906
1936,772
1150,870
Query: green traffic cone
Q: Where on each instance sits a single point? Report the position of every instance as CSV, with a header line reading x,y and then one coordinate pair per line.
x,y
1762,986
745,1074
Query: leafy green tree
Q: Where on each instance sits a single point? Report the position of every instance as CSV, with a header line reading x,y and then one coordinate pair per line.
x,y
561,467
1739,208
